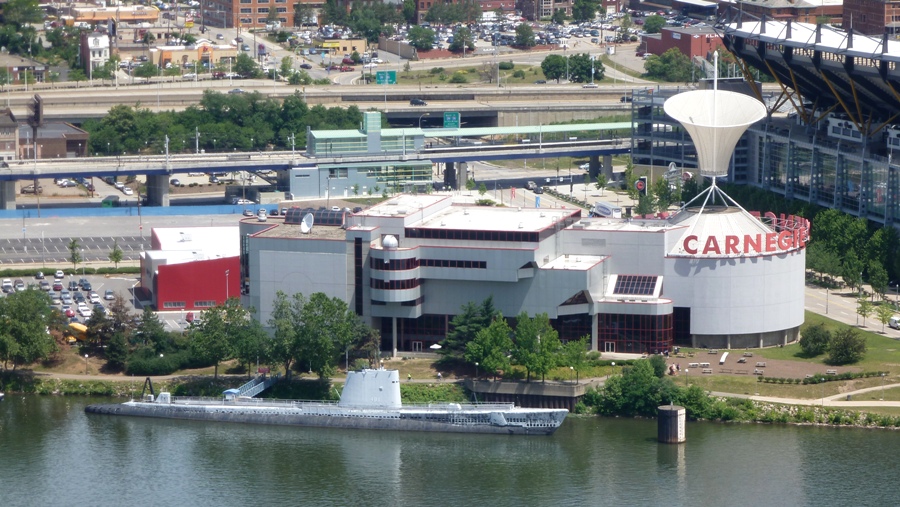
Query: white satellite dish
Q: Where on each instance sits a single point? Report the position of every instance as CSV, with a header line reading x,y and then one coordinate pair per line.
x,y
307,224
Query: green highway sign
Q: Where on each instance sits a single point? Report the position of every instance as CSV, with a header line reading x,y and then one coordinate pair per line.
x,y
386,77
451,120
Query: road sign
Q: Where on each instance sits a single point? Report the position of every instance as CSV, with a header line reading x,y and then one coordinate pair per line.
x,y
451,120
386,77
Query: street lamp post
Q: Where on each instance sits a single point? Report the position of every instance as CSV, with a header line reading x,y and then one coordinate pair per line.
x,y
476,370
822,381
613,364
82,263
686,371
420,119
85,364
226,284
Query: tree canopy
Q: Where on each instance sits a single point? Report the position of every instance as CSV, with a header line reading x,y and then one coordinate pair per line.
x,y
672,66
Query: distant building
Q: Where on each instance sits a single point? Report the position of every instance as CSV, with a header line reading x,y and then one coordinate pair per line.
x,y
9,135
203,53
872,17
21,69
692,41
191,268
95,51
247,14
53,140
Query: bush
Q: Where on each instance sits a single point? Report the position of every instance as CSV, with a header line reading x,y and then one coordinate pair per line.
x,y
459,78
814,340
506,65
846,346
519,74
436,70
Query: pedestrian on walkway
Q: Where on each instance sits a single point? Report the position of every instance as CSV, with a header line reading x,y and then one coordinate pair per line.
x,y
439,377
409,377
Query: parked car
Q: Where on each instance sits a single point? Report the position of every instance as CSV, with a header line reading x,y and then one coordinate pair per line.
x,y
29,189
39,275
175,182
220,36
118,184
94,297
57,285
218,75
68,311
189,75
348,61
128,191
78,297
305,66
86,285
541,81
109,295
235,91
73,285
590,85
19,284
59,275
417,102
84,310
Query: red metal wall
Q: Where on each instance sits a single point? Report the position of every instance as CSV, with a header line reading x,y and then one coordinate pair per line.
x,y
197,281
690,44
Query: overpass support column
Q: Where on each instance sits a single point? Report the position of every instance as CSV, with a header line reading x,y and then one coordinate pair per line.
x,y
607,167
450,176
158,190
8,195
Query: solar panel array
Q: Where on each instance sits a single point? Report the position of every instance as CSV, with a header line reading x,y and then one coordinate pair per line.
x,y
635,285
321,216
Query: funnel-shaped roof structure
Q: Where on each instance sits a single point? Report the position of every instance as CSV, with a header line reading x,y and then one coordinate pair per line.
x,y
716,120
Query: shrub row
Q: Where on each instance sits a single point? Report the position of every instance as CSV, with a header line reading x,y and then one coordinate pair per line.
x,y
820,378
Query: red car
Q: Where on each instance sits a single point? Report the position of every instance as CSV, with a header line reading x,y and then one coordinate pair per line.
x,y
348,61
57,286
68,311
333,67
346,68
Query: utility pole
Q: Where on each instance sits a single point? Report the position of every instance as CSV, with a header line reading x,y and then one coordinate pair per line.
x,y
196,139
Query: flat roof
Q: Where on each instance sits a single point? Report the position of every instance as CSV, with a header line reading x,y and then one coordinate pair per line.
x,y
473,132
208,242
403,205
575,262
803,35
489,218
282,230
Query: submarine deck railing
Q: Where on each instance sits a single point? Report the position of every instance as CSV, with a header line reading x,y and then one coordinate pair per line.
x,y
197,400
263,384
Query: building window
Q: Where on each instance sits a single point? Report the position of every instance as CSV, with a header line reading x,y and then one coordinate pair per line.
x,y
173,304
262,10
246,1
394,284
281,10
338,173
246,10
204,304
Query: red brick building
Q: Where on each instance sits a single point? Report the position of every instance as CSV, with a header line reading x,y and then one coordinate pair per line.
x,y
872,17
689,40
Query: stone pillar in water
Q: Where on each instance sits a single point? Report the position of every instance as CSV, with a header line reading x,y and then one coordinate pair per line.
x,y
670,424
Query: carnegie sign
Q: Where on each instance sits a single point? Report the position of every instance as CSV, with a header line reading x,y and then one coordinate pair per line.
x,y
789,233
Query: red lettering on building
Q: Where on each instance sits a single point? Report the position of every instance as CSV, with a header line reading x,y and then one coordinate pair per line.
x,y
784,240
688,247
712,245
731,245
754,241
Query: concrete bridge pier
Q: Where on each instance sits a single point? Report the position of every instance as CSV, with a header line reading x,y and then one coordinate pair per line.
x,y
8,195
595,167
158,190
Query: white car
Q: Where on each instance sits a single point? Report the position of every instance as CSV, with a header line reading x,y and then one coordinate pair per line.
x,y
59,275
371,65
128,191
119,185
84,310
94,297
189,75
109,295
241,201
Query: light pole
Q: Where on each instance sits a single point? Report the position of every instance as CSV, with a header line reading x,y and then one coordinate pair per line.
x,y
420,119
686,376
82,263
613,369
476,370
822,380
826,300
226,284
85,364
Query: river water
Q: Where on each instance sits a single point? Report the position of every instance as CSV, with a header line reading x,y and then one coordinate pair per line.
x,y
53,454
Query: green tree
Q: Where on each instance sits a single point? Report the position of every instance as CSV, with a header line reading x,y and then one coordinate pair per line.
x,y
864,308
554,67
210,340
249,342
574,354
654,23
99,329
600,182
326,330
462,38
671,66
409,11
245,66
584,10
116,352
74,253
482,189
116,254
537,345
421,38
884,312
580,67
558,17
847,346
644,205
24,319
664,193
470,184
637,392
333,12
851,269
814,340
145,70
491,347
525,36
463,328
21,12
151,333
878,278
303,14
658,363
285,320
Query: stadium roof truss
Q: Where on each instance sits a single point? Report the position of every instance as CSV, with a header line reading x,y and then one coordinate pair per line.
x,y
821,68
